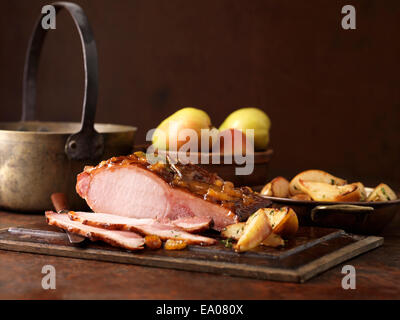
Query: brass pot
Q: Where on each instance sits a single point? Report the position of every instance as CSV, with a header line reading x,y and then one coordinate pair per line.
x,y
39,158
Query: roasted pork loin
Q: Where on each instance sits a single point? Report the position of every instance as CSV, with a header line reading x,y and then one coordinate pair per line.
x,y
129,186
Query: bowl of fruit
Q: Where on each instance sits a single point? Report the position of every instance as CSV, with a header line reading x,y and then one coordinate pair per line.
x,y
237,150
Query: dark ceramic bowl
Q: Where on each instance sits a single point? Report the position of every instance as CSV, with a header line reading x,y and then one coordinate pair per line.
x,y
356,217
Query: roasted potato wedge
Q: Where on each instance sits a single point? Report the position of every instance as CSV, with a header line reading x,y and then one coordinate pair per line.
x,y
233,231
320,191
273,240
256,229
315,176
382,193
284,221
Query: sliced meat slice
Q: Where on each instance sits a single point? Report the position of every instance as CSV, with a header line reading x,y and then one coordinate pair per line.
x,y
192,224
124,239
142,226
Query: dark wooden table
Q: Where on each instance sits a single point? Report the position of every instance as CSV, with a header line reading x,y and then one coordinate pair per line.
x,y
378,277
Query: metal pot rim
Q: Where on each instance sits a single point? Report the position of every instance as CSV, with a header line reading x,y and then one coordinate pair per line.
x,y
62,128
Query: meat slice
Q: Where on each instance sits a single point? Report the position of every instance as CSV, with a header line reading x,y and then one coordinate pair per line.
x,y
192,224
132,187
142,226
124,239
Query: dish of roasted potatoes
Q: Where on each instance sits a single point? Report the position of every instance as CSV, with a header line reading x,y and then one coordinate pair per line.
x,y
318,185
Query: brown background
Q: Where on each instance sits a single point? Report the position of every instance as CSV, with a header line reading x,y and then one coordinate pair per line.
x,y
332,94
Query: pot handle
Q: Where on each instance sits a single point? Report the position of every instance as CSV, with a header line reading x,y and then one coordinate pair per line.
x,y
342,207
87,143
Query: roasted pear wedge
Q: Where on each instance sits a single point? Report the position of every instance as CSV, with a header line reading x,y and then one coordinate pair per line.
x,y
284,221
314,176
278,187
273,224
235,231
267,190
363,192
382,193
320,191
256,229
273,240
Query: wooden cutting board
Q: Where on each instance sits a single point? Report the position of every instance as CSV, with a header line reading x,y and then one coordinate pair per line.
x,y
313,251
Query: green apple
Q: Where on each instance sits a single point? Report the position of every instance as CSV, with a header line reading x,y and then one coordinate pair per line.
x,y
167,133
250,118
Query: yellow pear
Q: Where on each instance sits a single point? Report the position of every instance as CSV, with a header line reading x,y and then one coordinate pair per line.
x,y
250,118
171,133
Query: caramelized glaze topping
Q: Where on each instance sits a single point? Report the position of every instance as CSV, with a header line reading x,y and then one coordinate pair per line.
x,y
198,181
